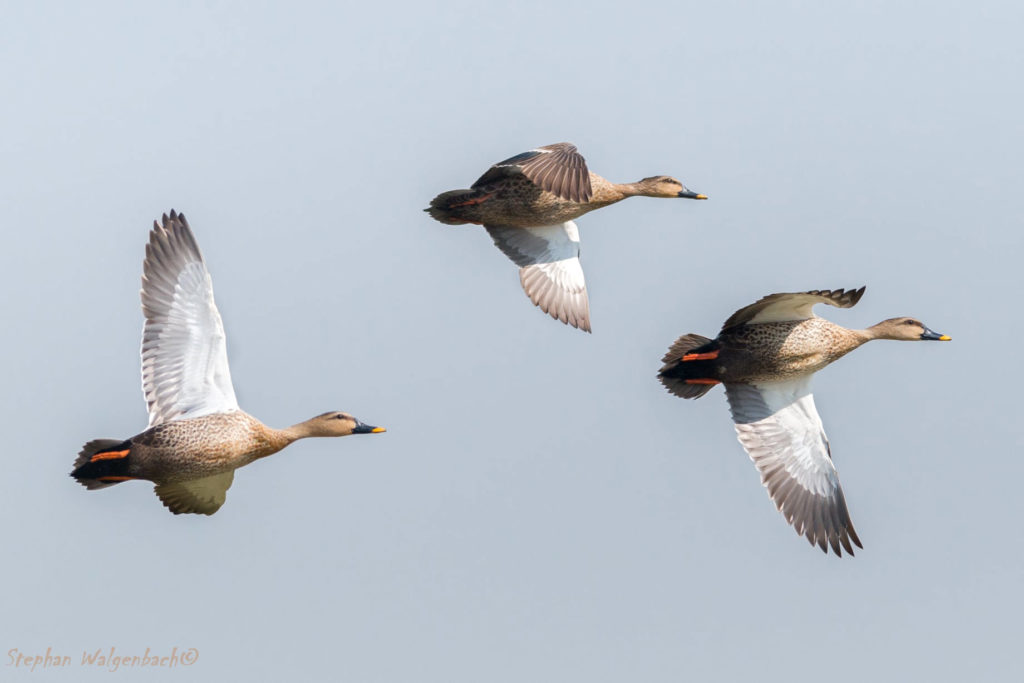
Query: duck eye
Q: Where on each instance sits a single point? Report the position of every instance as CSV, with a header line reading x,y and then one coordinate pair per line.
x,y
909,322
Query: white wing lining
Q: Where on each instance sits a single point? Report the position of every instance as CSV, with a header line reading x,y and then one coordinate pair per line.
x,y
185,370
778,425
550,269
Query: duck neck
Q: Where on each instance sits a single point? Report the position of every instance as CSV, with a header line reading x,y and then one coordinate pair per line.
x,y
846,340
302,430
637,189
276,439
884,330
606,192
856,338
648,187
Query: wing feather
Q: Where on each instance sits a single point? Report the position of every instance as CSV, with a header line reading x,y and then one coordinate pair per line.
x,y
559,169
779,427
199,496
550,269
184,355
792,306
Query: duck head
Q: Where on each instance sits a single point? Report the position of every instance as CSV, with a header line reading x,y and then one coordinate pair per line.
x,y
905,329
666,186
336,423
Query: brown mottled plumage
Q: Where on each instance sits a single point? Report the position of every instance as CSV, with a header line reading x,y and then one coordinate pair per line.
x,y
509,195
198,436
765,356
528,203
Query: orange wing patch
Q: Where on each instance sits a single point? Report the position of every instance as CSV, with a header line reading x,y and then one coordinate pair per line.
x,y
110,455
710,355
472,202
701,381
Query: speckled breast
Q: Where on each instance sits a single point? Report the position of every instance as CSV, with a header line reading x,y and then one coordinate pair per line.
x,y
779,351
202,446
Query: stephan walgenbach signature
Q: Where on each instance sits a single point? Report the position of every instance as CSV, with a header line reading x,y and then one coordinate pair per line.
x,y
104,659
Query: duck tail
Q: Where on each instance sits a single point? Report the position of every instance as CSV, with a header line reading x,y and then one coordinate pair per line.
x,y
102,463
689,368
450,207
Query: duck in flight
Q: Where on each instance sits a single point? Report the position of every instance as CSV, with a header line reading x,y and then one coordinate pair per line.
x,y
197,435
528,204
765,356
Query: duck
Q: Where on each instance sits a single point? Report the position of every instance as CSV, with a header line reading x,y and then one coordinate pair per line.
x,y
197,435
528,204
765,356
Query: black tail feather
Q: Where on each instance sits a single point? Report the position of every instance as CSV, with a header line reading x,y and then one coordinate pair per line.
x,y
103,472
448,207
676,371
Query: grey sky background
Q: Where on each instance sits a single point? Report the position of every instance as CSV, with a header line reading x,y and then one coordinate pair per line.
x,y
540,508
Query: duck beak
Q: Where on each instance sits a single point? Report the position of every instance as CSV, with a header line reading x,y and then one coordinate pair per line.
x,y
690,194
362,428
934,336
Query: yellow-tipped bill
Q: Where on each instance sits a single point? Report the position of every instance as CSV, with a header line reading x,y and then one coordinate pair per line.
x,y
934,336
363,428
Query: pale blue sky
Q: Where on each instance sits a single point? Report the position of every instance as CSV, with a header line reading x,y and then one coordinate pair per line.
x,y
540,509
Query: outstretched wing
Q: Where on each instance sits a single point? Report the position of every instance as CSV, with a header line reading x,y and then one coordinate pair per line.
x,y
558,169
779,427
793,306
198,496
184,357
550,270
